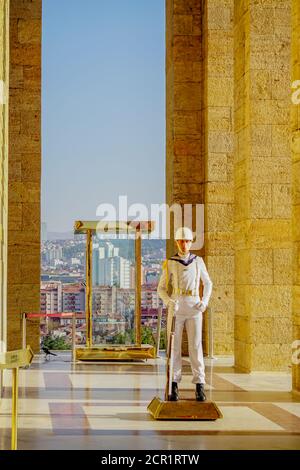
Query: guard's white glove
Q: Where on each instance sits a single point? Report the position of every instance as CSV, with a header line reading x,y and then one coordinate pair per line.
x,y
173,304
200,306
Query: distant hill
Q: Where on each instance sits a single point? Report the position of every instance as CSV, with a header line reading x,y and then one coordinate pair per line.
x,y
60,235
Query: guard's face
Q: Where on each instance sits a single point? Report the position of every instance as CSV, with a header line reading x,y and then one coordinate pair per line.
x,y
184,245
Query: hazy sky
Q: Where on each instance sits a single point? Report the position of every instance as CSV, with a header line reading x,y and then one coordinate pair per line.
x,y
103,117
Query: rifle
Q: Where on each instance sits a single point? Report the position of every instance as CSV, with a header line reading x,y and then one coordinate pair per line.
x,y
170,358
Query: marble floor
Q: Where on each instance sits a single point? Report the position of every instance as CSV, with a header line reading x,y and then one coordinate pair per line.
x,y
104,406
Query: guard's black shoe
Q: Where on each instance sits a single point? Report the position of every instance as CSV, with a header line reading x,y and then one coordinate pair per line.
x,y
174,395
200,395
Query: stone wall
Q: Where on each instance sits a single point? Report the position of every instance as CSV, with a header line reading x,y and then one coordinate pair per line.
x,y
4,63
219,192
295,124
24,168
262,179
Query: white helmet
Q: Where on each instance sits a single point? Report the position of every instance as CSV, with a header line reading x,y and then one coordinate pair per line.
x,y
184,233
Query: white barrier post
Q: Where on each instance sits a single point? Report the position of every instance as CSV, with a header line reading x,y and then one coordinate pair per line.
x,y
158,330
24,339
73,337
210,334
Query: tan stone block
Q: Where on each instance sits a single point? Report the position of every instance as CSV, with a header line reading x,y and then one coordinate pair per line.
x,y
281,86
30,122
187,146
270,357
261,19
281,141
296,304
187,122
14,170
223,299
219,17
260,201
220,192
217,167
24,144
240,299
269,233
261,266
187,193
220,142
14,274
191,7
26,9
187,72
296,263
219,118
197,24
282,265
220,322
220,91
187,48
23,192
20,242
281,201
187,97
16,77
241,209
30,268
187,169
296,225
32,77
31,168
223,269
269,112
270,170
26,54
240,174
261,140
23,99
29,31
31,217
241,328
296,182
220,43
182,24
260,85
14,121
270,301
242,267
242,356
218,243
220,66
15,216
271,331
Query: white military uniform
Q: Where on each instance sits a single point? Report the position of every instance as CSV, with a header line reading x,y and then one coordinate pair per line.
x,y
184,272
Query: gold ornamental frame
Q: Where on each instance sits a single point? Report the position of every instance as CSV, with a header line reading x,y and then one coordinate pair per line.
x,y
114,352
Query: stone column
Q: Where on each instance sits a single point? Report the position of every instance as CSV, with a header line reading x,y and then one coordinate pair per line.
x,y
24,169
184,82
262,178
219,192
295,124
184,107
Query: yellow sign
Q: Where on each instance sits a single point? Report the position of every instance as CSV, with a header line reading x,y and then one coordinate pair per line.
x,y
18,358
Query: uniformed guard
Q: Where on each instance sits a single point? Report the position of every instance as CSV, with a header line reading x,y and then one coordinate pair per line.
x,y
183,272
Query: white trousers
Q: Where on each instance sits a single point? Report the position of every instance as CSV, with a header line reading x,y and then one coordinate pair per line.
x,y
190,317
